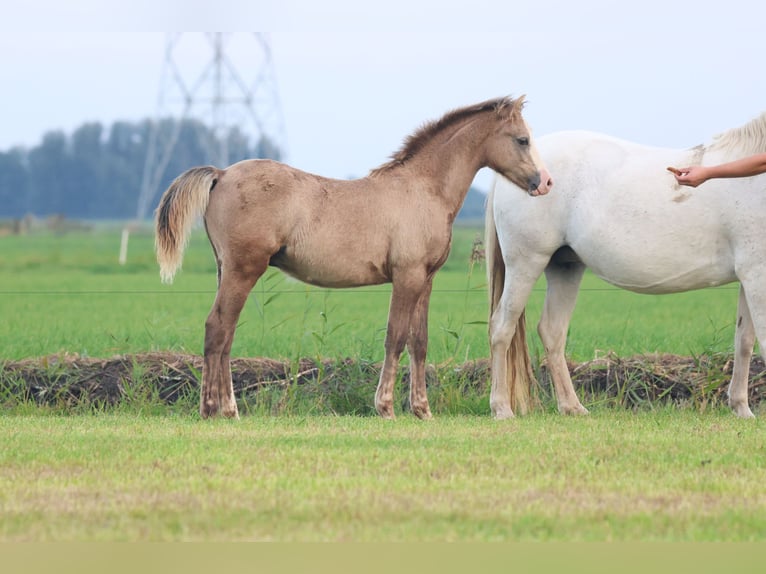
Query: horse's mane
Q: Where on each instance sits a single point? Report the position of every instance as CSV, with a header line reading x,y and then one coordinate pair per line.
x,y
418,139
745,140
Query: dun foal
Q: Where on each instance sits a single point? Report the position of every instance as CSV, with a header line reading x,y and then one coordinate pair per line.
x,y
395,225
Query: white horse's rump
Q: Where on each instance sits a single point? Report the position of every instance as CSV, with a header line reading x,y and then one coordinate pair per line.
x,y
616,210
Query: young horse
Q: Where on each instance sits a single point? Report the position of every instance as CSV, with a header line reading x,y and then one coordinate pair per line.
x,y
395,225
618,212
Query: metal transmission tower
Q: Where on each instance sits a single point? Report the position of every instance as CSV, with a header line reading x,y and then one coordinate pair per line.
x,y
223,80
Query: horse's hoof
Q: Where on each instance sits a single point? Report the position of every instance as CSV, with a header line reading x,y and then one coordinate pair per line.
x,y
742,411
501,410
424,414
503,414
208,410
385,411
575,411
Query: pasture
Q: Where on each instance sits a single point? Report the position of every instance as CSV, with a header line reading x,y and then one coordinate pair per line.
x,y
144,471
664,475
67,294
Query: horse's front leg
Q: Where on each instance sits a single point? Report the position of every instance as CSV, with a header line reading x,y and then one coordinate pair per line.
x,y
417,345
404,297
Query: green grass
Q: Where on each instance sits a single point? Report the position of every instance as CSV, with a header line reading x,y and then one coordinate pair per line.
x,y
67,294
666,475
146,471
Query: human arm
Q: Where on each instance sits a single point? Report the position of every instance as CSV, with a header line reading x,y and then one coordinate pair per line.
x,y
699,174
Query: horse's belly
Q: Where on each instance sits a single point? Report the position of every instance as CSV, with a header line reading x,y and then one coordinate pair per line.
x,y
660,274
332,272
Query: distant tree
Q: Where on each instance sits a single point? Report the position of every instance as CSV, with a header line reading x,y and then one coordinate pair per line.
x,y
97,172
266,148
90,168
473,206
125,153
55,188
14,185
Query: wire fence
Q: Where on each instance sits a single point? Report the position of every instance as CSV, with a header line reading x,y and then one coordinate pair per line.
x,y
350,291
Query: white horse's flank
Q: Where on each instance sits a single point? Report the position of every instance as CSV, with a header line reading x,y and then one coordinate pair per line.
x,y
616,210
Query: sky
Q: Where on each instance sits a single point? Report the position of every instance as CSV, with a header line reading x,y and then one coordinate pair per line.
x,y
353,79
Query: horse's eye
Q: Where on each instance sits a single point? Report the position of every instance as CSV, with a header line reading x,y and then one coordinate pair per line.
x,y
523,141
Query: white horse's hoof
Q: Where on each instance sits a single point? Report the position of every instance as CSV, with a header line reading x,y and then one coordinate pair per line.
x,y
576,410
502,414
743,412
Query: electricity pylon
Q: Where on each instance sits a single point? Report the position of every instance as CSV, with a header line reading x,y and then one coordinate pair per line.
x,y
223,80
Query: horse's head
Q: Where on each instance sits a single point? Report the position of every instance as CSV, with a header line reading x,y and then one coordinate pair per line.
x,y
510,150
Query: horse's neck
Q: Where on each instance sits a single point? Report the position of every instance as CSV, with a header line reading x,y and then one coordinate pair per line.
x,y
451,161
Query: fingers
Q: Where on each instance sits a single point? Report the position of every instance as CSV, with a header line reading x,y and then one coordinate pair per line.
x,y
684,176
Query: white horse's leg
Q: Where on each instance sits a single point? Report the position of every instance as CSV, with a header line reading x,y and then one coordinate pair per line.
x,y
516,289
563,284
744,340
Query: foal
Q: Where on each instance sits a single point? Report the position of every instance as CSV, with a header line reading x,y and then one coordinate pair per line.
x,y
395,225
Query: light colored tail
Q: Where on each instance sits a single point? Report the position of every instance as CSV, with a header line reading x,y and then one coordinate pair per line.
x,y
517,359
186,198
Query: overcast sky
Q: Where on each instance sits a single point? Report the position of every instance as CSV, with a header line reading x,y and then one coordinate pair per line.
x,y
354,78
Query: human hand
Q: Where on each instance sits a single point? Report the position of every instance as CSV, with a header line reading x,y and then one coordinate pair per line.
x,y
690,176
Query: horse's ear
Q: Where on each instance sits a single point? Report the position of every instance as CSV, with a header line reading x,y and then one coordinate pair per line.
x,y
518,104
510,108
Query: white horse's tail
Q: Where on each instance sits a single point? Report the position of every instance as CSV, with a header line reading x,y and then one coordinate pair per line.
x,y
186,198
517,359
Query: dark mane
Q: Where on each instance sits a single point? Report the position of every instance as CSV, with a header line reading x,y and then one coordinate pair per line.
x,y
417,140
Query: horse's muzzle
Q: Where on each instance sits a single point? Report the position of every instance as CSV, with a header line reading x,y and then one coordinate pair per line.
x,y
544,185
533,184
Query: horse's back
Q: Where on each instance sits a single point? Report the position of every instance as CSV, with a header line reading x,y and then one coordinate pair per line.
x,y
615,205
323,231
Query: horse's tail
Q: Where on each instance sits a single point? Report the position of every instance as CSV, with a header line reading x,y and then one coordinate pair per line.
x,y
186,198
518,362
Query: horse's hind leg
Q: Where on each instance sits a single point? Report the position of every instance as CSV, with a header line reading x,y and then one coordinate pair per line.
x,y
518,284
217,392
563,284
417,345
744,340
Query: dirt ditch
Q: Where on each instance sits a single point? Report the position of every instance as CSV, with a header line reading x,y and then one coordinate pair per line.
x,y
630,382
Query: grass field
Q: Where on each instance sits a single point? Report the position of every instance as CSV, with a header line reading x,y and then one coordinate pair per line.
x,y
67,294
146,471
666,475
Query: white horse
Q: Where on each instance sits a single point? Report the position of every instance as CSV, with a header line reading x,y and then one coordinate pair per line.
x,y
616,210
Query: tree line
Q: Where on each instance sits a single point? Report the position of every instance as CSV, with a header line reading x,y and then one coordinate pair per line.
x,y
96,172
